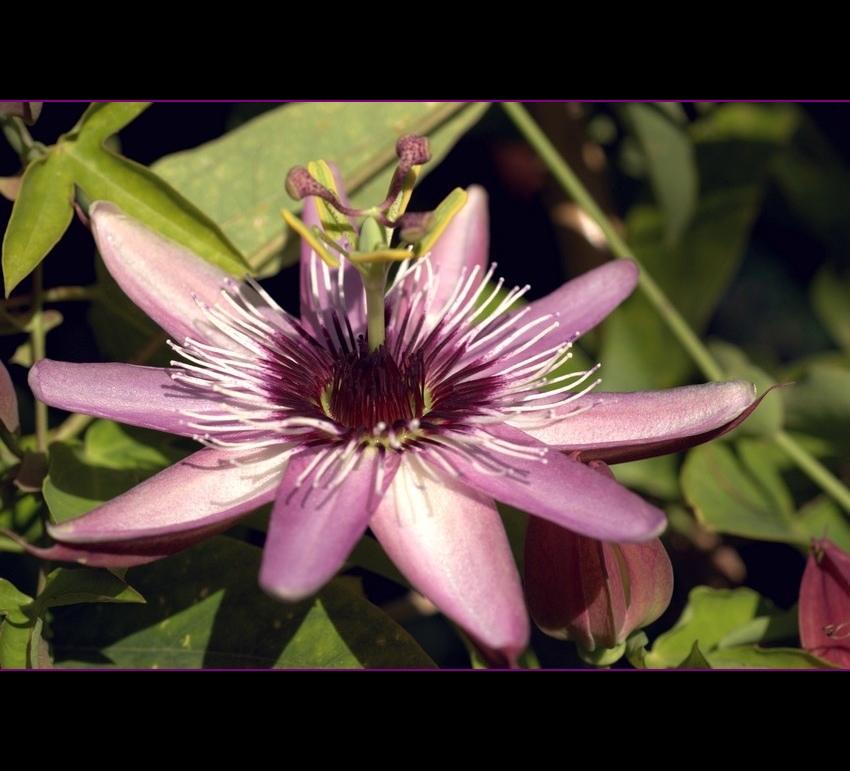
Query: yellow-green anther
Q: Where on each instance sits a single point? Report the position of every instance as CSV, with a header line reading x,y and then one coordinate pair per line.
x,y
335,223
310,236
442,216
399,205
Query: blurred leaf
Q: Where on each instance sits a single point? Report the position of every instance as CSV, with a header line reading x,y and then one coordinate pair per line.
x,y
818,403
670,162
815,182
49,319
369,555
69,586
739,490
713,619
830,292
823,518
113,445
28,112
113,459
40,216
205,610
238,180
658,477
769,417
122,330
695,272
753,657
749,122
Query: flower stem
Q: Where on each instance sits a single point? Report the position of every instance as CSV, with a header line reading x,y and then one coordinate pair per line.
x,y
814,469
573,187
37,342
375,284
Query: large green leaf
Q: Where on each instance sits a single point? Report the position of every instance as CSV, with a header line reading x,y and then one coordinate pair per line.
x,y
205,610
112,459
238,180
731,628
739,490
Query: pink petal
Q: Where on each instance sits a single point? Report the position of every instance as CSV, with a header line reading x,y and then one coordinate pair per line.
x,y
462,246
583,302
319,283
138,396
576,307
199,496
313,529
627,426
556,488
158,275
449,541
649,583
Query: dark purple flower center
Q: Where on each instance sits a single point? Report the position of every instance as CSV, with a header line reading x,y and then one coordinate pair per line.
x,y
370,390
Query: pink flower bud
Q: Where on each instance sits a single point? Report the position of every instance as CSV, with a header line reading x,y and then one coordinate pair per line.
x,y
824,607
593,592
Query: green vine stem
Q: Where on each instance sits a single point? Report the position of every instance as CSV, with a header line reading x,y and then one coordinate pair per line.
x,y
573,187
37,342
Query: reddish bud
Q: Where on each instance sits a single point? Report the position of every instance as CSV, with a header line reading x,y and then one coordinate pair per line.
x,y
824,607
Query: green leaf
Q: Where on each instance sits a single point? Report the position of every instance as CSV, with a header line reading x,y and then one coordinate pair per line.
x,y
69,586
238,180
823,518
116,446
40,216
754,657
104,176
695,271
15,627
15,639
741,493
205,610
103,119
113,459
671,163
829,293
694,659
12,600
716,620
818,403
